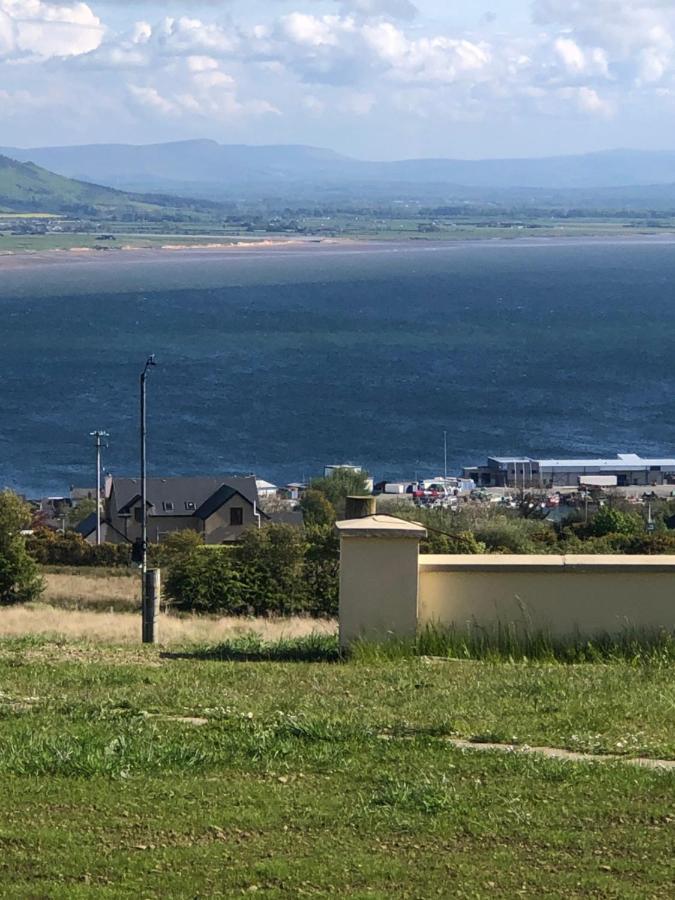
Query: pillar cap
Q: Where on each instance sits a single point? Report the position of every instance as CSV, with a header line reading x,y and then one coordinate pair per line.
x,y
381,526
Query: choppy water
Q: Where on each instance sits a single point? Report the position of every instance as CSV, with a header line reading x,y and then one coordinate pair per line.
x,y
279,362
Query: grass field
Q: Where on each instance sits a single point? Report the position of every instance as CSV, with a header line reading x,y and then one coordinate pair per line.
x,y
283,771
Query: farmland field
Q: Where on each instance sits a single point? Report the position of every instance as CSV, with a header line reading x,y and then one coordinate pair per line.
x,y
283,771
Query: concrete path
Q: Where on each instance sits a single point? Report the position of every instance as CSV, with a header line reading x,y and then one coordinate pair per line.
x,y
566,755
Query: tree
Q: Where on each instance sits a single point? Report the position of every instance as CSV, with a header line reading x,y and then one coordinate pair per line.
x,y
609,520
317,508
339,485
20,580
80,512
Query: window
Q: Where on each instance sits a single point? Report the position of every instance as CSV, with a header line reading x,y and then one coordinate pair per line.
x,y
138,513
189,505
237,515
168,506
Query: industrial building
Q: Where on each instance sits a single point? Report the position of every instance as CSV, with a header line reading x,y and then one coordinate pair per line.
x,y
525,472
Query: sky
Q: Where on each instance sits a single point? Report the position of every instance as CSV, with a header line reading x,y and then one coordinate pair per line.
x,y
377,79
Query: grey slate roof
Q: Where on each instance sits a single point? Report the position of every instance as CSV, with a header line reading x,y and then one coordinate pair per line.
x,y
87,526
188,495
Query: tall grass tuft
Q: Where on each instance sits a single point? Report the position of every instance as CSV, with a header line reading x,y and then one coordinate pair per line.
x,y
508,642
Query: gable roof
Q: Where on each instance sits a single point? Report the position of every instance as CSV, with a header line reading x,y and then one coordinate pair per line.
x,y
87,527
188,495
221,496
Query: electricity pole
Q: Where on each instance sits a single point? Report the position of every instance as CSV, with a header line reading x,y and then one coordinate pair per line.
x,y
99,435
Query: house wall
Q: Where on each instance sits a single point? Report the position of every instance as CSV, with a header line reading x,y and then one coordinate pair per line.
x,y
388,590
217,528
158,526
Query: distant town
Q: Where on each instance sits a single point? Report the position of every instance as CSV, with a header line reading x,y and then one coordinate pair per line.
x,y
222,507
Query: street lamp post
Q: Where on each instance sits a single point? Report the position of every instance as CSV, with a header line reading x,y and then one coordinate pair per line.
x,y
147,597
99,435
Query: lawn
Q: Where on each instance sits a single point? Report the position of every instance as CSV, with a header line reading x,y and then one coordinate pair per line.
x,y
284,771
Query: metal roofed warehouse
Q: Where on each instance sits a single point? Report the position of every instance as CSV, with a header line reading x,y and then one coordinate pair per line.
x,y
518,471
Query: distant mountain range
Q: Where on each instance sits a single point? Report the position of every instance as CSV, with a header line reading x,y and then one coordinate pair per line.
x,y
201,175
204,168
28,188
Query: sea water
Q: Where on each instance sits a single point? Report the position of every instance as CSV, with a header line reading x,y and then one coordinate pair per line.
x,y
280,361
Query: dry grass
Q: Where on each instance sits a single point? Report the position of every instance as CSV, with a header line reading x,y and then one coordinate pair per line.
x,y
124,628
84,590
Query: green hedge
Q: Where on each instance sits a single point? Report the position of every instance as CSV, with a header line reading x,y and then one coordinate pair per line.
x,y
53,548
277,570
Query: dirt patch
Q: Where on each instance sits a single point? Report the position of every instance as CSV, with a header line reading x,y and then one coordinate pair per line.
x,y
566,755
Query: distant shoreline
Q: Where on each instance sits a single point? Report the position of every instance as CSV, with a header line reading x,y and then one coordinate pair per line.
x,y
24,259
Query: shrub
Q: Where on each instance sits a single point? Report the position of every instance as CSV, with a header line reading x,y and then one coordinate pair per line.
x,y
205,581
276,570
609,520
19,578
270,563
459,542
506,536
342,483
54,548
177,546
317,508
661,542
321,572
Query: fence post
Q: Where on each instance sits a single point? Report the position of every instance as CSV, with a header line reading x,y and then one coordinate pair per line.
x,y
378,578
152,594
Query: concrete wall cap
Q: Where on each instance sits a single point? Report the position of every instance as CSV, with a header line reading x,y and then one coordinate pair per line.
x,y
491,562
381,526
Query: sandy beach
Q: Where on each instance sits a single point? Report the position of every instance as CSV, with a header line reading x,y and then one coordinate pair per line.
x,y
22,259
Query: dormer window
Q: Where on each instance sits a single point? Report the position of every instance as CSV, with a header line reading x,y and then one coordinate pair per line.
x,y
190,505
168,506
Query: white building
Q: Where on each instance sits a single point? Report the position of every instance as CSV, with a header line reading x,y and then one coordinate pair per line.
x,y
523,471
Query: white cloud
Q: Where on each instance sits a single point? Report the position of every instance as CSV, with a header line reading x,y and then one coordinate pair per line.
x,y
395,9
36,28
350,62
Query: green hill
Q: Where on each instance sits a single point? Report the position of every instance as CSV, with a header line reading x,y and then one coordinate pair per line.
x,y
27,188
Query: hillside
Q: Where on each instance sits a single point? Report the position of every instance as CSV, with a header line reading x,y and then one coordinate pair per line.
x,y
204,168
28,188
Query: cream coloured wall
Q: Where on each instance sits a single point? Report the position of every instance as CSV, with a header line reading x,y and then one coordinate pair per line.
x,y
557,595
217,528
388,590
378,578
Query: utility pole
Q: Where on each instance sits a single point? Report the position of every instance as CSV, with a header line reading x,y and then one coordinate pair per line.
x,y
98,435
148,597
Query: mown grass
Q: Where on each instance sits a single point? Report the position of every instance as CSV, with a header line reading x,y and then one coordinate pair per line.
x,y
285,771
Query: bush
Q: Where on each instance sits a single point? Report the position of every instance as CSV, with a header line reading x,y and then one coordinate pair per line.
x,y
317,508
274,571
609,520
54,548
20,581
270,563
177,546
650,544
205,581
507,536
460,542
321,572
342,483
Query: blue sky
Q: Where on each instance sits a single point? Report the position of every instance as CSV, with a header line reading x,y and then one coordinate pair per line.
x,y
379,79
